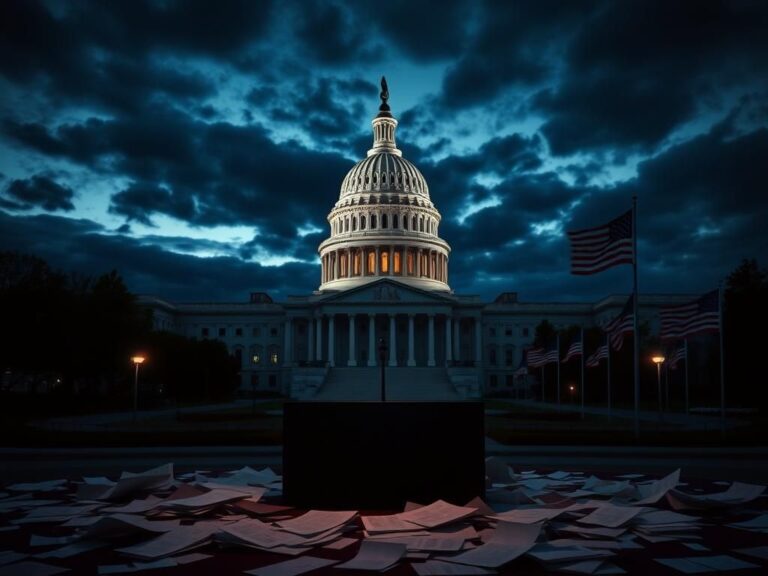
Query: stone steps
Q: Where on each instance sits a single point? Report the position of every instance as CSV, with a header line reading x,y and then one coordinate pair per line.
x,y
403,384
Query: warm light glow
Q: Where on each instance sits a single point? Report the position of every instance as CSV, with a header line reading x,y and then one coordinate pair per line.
x,y
138,359
572,387
658,359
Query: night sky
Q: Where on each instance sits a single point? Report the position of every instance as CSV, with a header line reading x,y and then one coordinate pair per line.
x,y
197,147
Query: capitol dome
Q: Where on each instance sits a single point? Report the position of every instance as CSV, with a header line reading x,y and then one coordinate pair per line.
x,y
384,223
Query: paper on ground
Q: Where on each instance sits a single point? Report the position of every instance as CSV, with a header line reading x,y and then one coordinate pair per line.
x,y
757,552
611,516
529,515
440,568
9,556
549,553
738,493
374,555
316,521
391,523
136,567
655,491
700,564
508,541
292,567
437,514
594,567
45,486
178,540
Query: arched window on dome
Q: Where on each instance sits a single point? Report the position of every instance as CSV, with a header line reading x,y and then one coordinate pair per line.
x,y
373,221
354,223
391,177
395,221
396,264
405,222
384,262
362,222
375,178
357,260
409,265
414,226
367,180
346,225
371,262
421,224
384,221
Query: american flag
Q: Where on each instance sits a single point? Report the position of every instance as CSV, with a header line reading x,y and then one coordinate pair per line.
x,y
622,324
676,356
522,370
538,357
596,249
594,360
573,350
701,315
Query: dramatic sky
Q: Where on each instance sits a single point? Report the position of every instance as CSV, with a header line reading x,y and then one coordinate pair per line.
x,y
197,147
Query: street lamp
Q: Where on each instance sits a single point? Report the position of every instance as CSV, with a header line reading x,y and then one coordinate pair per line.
x,y
658,359
137,361
382,363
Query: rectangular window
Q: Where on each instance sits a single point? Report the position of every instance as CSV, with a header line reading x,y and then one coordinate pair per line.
x,y
255,358
371,262
526,331
222,332
204,332
256,332
510,380
396,263
272,381
273,332
410,263
273,358
508,331
493,380
492,331
255,380
385,262
238,331
509,357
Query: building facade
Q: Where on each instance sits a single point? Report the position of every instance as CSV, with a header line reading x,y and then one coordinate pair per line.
x,y
384,289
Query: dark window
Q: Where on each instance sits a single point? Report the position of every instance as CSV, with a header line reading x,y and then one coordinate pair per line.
x,y
493,380
510,380
508,332
492,331
238,331
373,221
526,331
394,221
273,332
492,356
272,381
254,380
509,356
205,332
222,332
383,220
256,332
239,357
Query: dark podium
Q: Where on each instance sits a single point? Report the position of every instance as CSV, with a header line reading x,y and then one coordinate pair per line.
x,y
378,455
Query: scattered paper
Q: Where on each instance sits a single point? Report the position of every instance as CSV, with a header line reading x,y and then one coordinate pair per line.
x,y
437,514
31,568
611,516
374,555
341,543
756,552
292,567
46,486
701,564
655,491
316,521
440,568
507,543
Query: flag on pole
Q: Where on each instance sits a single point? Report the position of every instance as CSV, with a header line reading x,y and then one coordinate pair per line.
x,y
623,323
538,357
522,370
596,249
600,354
573,350
676,356
701,315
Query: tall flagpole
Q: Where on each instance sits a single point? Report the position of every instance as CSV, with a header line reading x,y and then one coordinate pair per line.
x,y
608,344
583,385
636,318
722,360
558,371
542,383
686,376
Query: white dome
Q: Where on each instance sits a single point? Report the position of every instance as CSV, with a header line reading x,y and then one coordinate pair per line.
x,y
384,172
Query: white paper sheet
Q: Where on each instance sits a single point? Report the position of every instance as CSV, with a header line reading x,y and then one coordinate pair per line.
x,y
508,541
655,491
316,521
178,540
374,555
437,514
391,523
292,567
31,568
611,516
439,568
529,515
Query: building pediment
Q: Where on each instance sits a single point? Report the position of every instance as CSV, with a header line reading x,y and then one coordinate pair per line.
x,y
387,291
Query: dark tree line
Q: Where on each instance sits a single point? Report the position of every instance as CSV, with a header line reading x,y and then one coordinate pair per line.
x,y
77,334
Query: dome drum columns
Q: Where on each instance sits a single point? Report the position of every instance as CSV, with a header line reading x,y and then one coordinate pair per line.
x,y
377,261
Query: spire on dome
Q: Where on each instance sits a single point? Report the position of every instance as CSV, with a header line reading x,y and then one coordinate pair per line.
x,y
384,125
384,110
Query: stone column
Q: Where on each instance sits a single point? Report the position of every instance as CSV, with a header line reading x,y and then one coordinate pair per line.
x,y
448,345
319,339
372,340
417,256
336,265
457,339
391,260
378,261
431,341
311,336
331,360
352,361
404,261
349,262
478,338
288,352
392,341
411,343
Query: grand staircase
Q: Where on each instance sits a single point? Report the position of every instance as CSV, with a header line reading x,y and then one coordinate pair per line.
x,y
404,384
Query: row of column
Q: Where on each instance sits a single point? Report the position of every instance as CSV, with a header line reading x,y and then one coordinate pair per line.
x,y
452,336
385,261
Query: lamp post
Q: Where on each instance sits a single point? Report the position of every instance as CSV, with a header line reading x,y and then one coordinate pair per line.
x,y
137,361
572,390
658,360
382,362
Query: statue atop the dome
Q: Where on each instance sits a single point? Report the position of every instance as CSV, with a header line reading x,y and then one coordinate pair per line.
x,y
384,95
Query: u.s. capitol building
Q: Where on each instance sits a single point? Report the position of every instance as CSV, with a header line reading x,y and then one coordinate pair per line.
x,y
385,277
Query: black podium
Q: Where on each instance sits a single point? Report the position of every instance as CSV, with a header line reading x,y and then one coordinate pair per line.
x,y
378,455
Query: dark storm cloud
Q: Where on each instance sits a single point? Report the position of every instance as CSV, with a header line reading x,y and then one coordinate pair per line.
x,y
82,246
139,201
38,191
639,69
330,33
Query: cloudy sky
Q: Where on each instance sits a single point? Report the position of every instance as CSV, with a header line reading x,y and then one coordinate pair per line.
x,y
198,147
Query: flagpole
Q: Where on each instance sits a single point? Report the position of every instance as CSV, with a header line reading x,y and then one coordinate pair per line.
x,y
558,371
542,384
583,349
686,375
608,345
636,318
722,360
